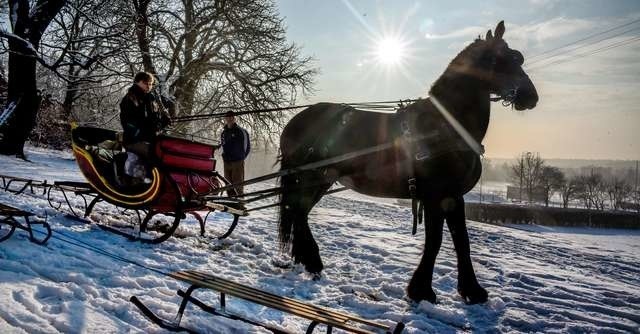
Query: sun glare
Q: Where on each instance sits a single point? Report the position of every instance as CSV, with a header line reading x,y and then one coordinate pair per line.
x,y
390,51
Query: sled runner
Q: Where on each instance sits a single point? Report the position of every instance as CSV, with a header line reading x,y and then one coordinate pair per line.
x,y
18,185
9,223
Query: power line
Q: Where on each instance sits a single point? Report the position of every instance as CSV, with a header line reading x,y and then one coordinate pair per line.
x,y
589,53
581,46
585,38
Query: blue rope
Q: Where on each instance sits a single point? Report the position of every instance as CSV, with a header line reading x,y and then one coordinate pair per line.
x,y
82,244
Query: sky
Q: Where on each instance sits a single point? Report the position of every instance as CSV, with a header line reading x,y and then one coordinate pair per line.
x,y
390,50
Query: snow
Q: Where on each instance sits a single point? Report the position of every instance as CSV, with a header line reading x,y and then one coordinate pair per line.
x,y
539,279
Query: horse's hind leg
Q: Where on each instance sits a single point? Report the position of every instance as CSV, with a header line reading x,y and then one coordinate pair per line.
x,y
420,285
300,192
468,285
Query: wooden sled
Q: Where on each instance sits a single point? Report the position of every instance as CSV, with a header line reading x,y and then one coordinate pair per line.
x,y
317,315
9,223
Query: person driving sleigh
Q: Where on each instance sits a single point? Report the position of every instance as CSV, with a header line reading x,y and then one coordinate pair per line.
x,y
142,119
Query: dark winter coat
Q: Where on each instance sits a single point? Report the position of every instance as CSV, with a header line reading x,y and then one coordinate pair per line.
x,y
140,116
235,143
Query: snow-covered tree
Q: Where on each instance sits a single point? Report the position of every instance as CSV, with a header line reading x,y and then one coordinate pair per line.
x,y
28,21
212,54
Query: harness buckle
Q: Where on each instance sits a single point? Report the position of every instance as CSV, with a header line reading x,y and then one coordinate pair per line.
x,y
412,186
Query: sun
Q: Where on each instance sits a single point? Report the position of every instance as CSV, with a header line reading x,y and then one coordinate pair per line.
x,y
390,51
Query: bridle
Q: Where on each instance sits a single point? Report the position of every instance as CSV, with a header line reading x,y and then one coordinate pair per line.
x,y
508,96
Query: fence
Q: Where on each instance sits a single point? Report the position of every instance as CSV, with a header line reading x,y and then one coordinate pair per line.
x,y
515,214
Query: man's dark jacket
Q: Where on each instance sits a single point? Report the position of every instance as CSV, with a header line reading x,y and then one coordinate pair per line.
x,y
140,117
235,143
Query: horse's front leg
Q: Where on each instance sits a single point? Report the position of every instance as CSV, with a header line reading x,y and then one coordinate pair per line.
x,y
420,285
468,285
300,194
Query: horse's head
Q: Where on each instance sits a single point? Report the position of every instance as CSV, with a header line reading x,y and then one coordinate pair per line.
x,y
506,77
500,68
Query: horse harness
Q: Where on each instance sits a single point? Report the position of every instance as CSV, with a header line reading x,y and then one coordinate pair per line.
x,y
422,148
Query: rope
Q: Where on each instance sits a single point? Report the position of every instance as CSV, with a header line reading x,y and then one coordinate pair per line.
x,y
82,244
192,136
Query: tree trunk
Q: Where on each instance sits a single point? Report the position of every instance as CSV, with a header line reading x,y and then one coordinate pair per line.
x,y
546,199
23,91
71,93
142,23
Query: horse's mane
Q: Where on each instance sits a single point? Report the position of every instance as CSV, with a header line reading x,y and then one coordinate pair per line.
x,y
473,51
470,56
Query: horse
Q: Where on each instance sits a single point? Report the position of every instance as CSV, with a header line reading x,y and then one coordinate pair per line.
x,y
428,151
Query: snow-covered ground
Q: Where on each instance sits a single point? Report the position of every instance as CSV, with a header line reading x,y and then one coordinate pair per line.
x,y
541,280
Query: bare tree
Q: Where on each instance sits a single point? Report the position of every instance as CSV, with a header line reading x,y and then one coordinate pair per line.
x,y
618,189
84,45
551,179
27,27
635,199
80,67
222,54
527,172
590,190
568,190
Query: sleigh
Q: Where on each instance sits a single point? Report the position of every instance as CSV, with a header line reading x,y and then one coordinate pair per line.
x,y
181,181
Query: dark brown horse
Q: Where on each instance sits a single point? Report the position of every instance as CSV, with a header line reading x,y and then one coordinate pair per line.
x,y
429,151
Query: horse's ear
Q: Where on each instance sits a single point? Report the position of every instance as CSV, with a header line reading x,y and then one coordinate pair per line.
x,y
489,35
499,30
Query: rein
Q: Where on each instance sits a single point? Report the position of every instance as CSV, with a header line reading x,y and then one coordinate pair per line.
x,y
377,106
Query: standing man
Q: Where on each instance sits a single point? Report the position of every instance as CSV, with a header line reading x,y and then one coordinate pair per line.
x,y
141,120
235,148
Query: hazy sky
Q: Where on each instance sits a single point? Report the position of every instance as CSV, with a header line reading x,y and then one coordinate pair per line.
x,y
589,104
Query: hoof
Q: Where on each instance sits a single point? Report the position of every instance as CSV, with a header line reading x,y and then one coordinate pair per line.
x,y
419,294
475,295
313,265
